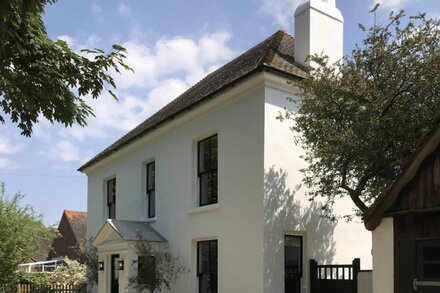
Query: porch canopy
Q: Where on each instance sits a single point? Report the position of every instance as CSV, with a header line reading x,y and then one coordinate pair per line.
x,y
114,235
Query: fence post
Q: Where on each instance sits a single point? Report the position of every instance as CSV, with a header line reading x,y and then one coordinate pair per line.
x,y
313,275
356,269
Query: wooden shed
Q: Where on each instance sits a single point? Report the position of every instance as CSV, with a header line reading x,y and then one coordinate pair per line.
x,y
405,221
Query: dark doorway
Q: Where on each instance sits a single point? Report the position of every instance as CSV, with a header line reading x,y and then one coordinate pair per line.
x,y
115,274
292,263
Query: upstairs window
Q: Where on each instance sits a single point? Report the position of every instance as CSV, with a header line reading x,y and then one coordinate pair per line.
x,y
111,198
207,171
151,189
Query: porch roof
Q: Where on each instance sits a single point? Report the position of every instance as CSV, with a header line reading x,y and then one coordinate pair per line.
x,y
130,231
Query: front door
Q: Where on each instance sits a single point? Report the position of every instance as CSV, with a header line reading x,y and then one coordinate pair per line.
x,y
115,274
292,263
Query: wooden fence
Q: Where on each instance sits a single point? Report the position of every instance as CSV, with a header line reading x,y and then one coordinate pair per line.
x,y
28,288
334,278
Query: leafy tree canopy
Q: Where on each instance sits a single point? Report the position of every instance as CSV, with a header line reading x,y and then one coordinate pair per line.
x,y
41,77
21,231
360,120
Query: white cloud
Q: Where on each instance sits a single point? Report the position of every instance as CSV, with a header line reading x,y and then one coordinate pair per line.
x,y
8,147
96,8
392,4
64,151
126,113
161,72
172,56
281,10
5,163
124,9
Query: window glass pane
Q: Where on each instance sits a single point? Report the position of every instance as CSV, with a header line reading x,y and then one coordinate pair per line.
x,y
431,270
292,255
111,191
208,188
207,266
207,156
146,269
151,176
431,253
151,204
111,198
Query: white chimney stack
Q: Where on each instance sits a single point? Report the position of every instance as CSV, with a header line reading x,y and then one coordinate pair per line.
x,y
319,28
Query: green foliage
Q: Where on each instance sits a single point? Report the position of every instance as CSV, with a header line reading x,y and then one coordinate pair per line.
x,y
360,121
88,255
21,230
41,77
44,279
72,273
159,268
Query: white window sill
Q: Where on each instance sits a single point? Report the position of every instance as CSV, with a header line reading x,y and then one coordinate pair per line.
x,y
204,209
151,220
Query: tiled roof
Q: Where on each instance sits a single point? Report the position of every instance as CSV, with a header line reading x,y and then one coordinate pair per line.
x,y
276,53
72,229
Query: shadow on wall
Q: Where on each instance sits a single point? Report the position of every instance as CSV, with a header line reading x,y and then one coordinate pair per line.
x,y
285,213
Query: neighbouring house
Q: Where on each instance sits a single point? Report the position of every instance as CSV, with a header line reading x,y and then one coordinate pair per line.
x,y
216,177
405,220
51,252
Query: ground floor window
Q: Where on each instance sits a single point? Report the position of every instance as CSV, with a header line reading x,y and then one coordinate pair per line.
x,y
292,263
147,270
207,255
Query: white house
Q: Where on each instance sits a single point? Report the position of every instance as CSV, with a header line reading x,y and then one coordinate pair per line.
x,y
215,176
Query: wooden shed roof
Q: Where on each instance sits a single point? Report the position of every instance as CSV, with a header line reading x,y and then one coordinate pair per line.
x,y
390,195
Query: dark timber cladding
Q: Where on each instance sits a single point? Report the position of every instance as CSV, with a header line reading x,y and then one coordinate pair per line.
x,y
422,194
275,54
413,201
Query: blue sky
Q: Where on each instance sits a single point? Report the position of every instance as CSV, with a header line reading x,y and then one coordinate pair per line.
x,y
172,44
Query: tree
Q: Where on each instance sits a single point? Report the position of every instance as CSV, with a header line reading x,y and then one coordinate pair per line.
x,y
44,78
359,120
71,273
21,229
157,268
88,254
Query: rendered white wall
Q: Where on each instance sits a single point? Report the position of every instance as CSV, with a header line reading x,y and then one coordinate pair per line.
x,y
318,28
236,221
287,209
383,257
365,282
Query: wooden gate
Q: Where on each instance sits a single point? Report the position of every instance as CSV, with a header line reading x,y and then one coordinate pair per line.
x,y
334,278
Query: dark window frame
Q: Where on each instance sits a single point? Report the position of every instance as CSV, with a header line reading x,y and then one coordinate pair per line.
x,y
201,274
422,262
111,198
210,171
301,252
151,190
